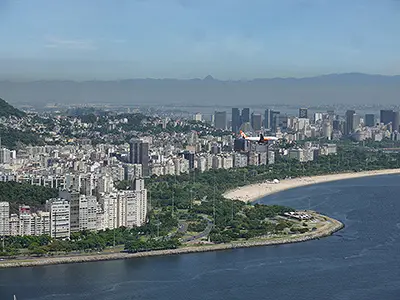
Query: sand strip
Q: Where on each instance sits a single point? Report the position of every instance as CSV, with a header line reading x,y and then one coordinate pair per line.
x,y
253,192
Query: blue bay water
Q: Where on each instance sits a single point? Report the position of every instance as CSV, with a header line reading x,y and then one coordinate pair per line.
x,y
362,261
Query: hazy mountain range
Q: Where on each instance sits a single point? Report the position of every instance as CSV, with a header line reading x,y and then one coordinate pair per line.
x,y
352,88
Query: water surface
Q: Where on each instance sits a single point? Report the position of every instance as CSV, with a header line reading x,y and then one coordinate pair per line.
x,y
362,261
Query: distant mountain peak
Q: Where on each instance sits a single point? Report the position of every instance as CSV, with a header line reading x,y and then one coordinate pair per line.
x,y
209,78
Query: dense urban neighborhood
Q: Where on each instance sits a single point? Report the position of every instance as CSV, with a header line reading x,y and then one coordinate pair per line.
x,y
88,179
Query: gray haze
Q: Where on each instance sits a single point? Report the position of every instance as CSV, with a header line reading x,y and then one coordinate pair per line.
x,y
352,88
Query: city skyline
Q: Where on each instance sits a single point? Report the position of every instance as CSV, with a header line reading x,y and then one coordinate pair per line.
x,y
190,39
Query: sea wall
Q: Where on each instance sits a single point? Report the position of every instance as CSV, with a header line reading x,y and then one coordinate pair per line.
x,y
332,226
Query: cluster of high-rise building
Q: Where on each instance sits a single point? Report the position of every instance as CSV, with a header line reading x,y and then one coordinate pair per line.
x,y
370,127
84,176
326,125
74,212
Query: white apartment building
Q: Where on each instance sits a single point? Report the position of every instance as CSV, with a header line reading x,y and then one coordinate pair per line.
x,y
209,161
87,213
14,224
227,162
74,201
262,158
109,205
132,206
117,172
240,160
141,196
83,211
181,166
100,218
169,167
216,162
4,218
271,157
105,183
202,164
132,171
44,222
5,156
253,159
297,154
121,208
59,218
157,169
25,224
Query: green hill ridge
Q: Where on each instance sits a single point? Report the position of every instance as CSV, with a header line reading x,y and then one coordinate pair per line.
x,y
7,110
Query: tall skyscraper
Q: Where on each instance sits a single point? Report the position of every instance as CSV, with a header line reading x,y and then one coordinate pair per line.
x,y
303,113
356,122
132,205
139,154
396,120
369,120
256,121
327,129
386,116
220,120
189,155
349,122
4,218
236,121
5,156
274,120
336,125
245,115
73,197
267,119
59,218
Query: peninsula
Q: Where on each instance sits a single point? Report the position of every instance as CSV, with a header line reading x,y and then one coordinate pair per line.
x,y
322,226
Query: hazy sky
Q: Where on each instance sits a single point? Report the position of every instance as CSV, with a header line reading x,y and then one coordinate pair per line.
x,y
229,39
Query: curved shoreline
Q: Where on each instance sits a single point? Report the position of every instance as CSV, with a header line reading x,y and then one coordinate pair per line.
x,y
253,192
328,229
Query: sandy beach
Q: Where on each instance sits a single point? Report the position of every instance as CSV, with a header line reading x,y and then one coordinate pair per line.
x,y
253,192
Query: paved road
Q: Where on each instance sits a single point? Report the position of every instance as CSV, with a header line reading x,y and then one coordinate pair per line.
x,y
205,233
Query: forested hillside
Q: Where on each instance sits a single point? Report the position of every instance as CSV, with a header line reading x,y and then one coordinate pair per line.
x,y
24,193
7,110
